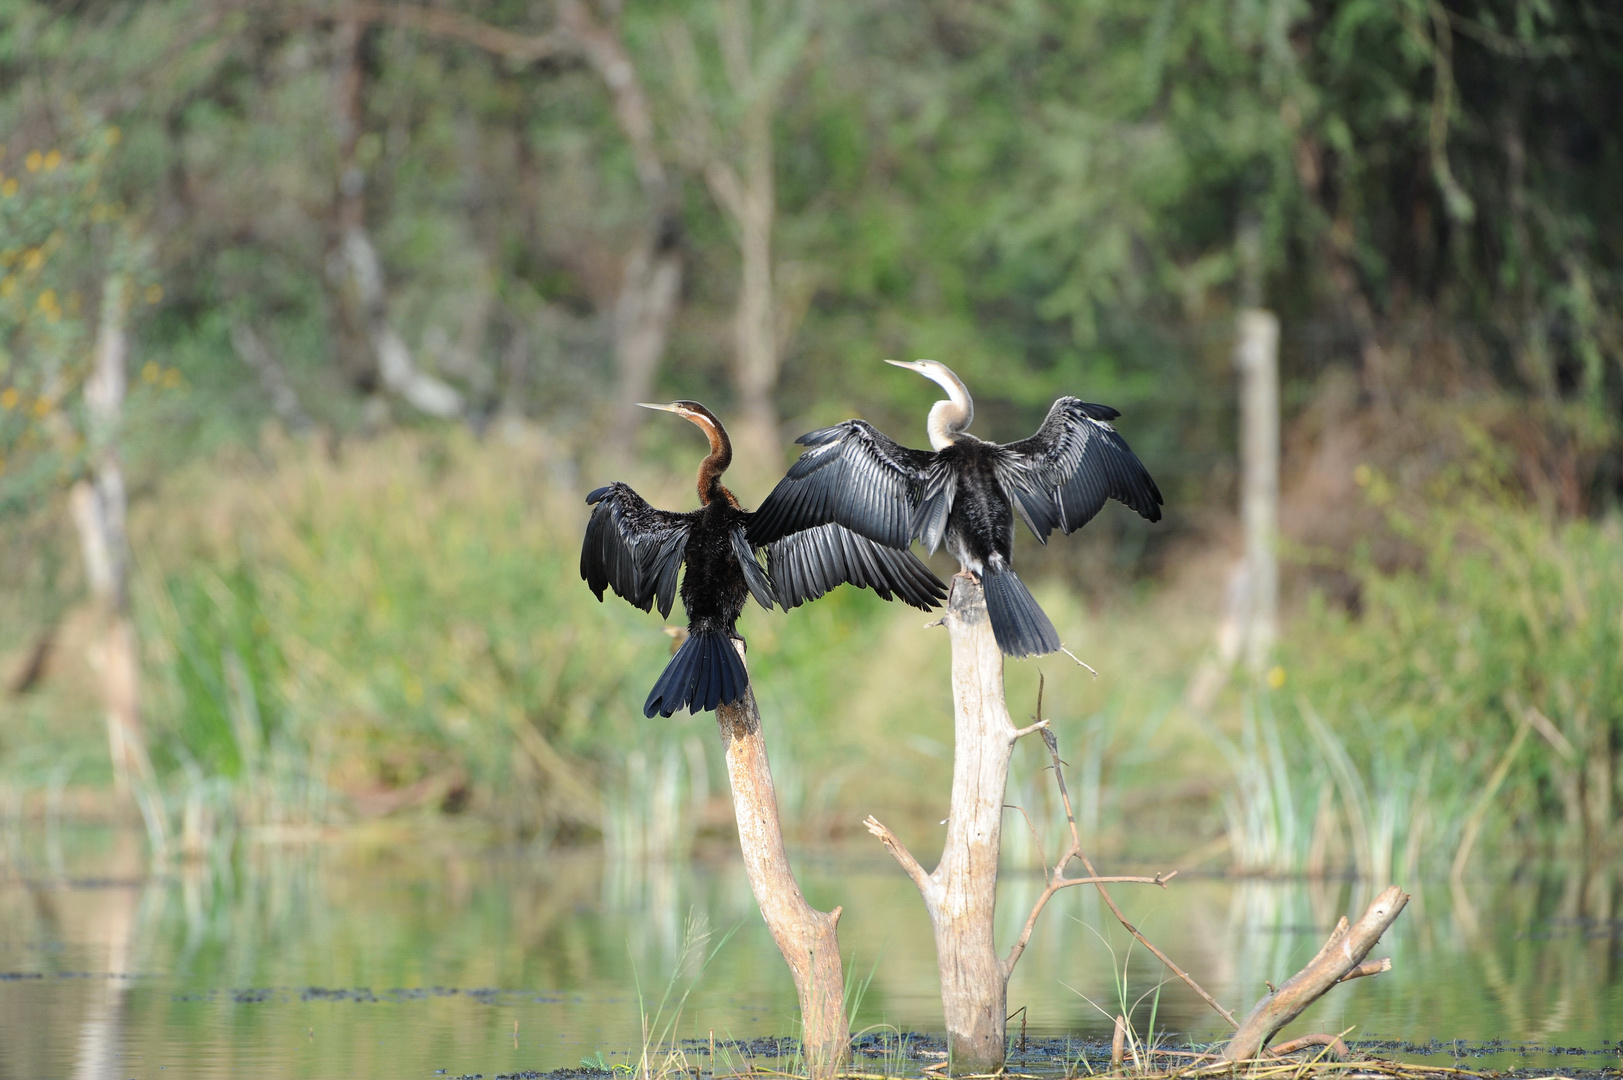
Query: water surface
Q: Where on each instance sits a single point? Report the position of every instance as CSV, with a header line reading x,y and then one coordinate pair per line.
x,y
341,961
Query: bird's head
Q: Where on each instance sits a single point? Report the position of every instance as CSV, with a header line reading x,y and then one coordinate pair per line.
x,y
689,410
947,418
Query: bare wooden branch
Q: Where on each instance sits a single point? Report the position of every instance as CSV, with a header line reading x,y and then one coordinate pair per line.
x,y
1342,954
1368,967
899,852
1057,881
807,938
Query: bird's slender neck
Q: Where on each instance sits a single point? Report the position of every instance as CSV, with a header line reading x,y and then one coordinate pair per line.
x,y
949,418
711,468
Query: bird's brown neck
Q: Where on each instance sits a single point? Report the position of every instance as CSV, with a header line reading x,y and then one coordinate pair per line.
x,y
711,468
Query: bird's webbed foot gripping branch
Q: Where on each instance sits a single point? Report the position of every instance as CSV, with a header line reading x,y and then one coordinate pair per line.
x,y
960,894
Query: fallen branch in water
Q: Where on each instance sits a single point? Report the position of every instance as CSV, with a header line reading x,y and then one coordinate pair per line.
x,y
1342,958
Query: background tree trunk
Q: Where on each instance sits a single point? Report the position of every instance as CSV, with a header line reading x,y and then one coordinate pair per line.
x,y
755,344
1257,356
737,163
374,353
807,938
97,503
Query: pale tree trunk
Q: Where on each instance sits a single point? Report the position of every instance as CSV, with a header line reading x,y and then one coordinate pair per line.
x,y
98,514
370,347
961,893
1251,617
651,283
649,291
807,938
1257,357
755,346
738,169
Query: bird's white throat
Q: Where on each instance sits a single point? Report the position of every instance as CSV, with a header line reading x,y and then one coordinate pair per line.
x,y
946,421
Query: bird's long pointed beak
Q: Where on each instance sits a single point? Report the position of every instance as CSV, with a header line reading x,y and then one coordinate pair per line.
x,y
911,365
661,408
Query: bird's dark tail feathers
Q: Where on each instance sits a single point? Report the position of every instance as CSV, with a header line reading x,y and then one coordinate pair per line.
x,y
705,672
1018,623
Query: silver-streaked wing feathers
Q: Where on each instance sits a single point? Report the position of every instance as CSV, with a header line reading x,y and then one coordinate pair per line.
x,y
809,563
760,585
1062,475
852,475
633,548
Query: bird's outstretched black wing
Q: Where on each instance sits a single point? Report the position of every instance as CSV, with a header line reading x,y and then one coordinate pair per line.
x,y
1063,474
758,581
633,548
852,475
806,564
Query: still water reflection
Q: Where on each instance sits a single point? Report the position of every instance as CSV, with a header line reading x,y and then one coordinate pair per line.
x,y
340,961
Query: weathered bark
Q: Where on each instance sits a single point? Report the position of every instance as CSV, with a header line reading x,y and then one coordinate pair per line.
x,y
98,502
961,893
807,938
1342,958
1257,356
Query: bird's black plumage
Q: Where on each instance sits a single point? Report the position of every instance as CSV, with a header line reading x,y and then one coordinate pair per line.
x,y
638,550
966,492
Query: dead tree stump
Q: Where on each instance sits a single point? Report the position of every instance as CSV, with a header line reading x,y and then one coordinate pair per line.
x,y
961,894
807,938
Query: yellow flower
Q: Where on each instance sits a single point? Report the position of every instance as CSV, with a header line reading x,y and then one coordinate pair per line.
x,y
154,293
151,372
33,259
47,302
7,287
1363,475
171,379
113,135
8,399
34,160
52,160
9,188
42,406
1276,677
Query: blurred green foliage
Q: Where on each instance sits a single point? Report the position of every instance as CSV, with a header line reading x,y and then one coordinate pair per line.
x,y
1052,197
1401,713
63,231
